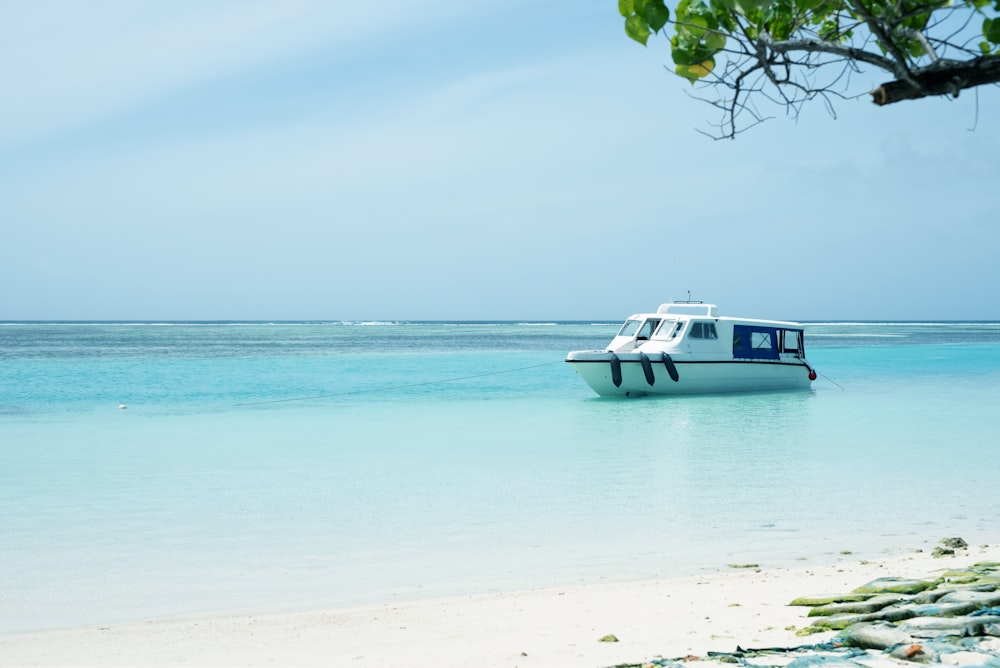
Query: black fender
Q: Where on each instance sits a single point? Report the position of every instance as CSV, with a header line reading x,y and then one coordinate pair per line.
x,y
671,367
616,370
647,368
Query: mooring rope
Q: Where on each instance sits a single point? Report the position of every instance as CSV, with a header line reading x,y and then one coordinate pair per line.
x,y
831,380
392,388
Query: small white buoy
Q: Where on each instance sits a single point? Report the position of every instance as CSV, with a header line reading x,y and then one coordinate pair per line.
x,y
122,407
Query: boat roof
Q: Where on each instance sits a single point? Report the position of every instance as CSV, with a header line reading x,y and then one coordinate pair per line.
x,y
689,308
703,310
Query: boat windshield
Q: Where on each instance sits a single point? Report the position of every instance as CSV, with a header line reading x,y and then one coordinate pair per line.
x,y
629,328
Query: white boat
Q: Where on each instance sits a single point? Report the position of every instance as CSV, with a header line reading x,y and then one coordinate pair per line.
x,y
688,348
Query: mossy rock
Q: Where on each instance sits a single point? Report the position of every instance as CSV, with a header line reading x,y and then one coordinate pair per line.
x,y
931,595
885,615
873,636
934,595
942,610
895,586
985,599
870,605
961,576
837,622
829,599
961,626
986,566
611,637
955,543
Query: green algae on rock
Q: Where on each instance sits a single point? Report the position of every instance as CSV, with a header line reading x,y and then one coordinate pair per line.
x,y
890,585
866,606
830,599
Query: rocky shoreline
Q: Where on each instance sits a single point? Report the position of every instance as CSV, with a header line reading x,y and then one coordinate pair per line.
x,y
952,619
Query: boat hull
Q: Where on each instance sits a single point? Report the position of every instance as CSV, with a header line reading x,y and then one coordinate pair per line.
x,y
600,370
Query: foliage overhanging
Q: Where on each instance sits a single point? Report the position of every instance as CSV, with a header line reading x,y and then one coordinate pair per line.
x,y
793,51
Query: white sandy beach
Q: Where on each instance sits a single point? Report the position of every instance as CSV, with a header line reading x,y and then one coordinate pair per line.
x,y
550,628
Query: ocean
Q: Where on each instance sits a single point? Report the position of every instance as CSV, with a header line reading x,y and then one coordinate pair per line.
x,y
150,470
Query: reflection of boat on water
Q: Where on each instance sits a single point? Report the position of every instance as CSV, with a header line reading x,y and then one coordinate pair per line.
x,y
687,348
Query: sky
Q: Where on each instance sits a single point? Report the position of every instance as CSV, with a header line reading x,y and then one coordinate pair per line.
x,y
432,160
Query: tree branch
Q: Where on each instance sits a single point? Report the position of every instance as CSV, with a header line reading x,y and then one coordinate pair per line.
x,y
924,42
942,78
819,46
901,69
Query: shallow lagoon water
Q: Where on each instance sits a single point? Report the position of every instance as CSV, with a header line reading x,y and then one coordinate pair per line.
x,y
264,467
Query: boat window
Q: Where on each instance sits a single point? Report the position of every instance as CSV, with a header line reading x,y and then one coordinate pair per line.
x,y
761,340
629,328
755,342
703,330
668,329
647,328
791,341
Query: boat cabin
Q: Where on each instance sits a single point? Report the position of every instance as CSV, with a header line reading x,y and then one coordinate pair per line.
x,y
694,327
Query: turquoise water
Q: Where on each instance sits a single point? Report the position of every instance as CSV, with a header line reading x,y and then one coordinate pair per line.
x,y
283,466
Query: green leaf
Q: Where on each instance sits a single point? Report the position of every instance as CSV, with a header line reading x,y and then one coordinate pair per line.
x,y
657,15
696,26
636,28
991,30
726,20
829,30
751,7
689,52
715,41
779,20
625,8
917,21
690,11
